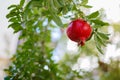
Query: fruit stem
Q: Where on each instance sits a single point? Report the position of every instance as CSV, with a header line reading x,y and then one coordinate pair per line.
x,y
81,43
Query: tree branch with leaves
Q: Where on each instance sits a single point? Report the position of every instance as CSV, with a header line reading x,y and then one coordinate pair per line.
x,y
32,60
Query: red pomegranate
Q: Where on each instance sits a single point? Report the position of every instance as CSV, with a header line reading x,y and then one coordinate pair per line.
x,y
79,31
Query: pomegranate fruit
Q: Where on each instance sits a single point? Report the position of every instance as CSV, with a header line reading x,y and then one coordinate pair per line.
x,y
79,31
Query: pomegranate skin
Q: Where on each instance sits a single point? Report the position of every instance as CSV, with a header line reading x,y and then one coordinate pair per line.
x,y
79,31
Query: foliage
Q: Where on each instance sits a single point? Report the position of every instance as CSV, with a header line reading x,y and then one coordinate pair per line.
x,y
34,21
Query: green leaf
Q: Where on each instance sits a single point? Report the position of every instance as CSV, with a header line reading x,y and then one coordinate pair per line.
x,y
87,6
97,26
103,35
99,22
11,14
93,15
11,25
13,10
57,4
29,24
12,6
14,13
84,2
16,26
57,20
98,44
7,78
13,19
100,41
61,2
22,3
52,7
99,49
65,10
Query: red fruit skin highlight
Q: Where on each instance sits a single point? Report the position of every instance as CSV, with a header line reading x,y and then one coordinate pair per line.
x,y
79,31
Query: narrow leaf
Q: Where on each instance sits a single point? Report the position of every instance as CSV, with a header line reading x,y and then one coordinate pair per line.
x,y
16,26
103,35
61,2
99,22
57,4
22,3
52,7
13,10
87,6
13,19
11,15
12,6
98,44
100,41
97,26
99,49
57,20
93,15
84,2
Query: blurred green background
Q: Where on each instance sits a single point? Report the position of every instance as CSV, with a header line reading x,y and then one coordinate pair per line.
x,y
74,63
